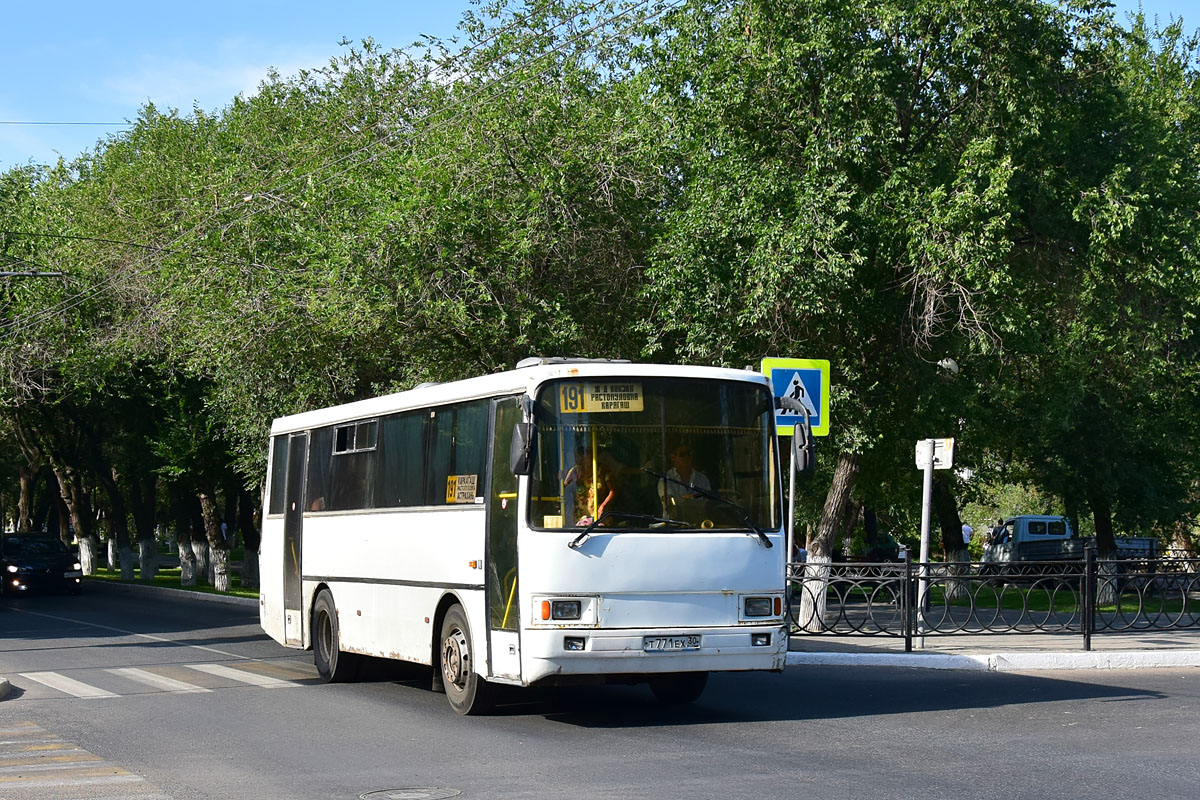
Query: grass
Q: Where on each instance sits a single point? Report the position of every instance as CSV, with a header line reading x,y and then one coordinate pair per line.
x,y
169,578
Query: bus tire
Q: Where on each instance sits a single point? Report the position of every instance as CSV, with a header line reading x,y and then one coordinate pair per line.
x,y
334,665
467,692
677,688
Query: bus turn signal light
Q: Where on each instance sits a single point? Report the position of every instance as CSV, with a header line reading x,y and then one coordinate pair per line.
x,y
545,609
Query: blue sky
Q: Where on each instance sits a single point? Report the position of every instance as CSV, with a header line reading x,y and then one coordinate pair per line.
x,y
94,62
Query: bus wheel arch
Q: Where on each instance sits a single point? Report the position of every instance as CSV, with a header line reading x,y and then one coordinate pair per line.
x,y
455,663
333,664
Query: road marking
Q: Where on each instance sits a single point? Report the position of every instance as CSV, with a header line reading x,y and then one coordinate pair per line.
x,y
160,682
132,633
68,685
289,671
222,671
36,764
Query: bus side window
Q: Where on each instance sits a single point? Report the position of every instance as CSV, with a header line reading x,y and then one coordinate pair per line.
x,y
458,450
279,453
400,471
320,456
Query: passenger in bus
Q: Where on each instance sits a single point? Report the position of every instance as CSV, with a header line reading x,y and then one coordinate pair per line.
x,y
591,497
677,491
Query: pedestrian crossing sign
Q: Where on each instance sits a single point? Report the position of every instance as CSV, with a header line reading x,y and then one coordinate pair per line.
x,y
805,380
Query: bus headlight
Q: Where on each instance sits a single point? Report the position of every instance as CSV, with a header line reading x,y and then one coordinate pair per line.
x,y
573,611
758,607
565,609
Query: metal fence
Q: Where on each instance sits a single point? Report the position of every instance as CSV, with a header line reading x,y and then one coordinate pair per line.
x,y
910,599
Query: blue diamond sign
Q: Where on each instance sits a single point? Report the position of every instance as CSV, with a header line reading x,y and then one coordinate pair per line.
x,y
805,380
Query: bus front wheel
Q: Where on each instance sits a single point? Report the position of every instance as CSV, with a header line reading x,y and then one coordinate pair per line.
x,y
333,665
678,687
467,692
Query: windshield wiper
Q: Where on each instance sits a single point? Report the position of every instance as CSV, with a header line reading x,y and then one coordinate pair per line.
x,y
711,495
586,532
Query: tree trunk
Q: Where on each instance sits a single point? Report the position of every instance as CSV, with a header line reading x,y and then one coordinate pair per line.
x,y
217,547
957,555
79,508
118,517
187,558
870,529
199,540
1181,540
816,571
148,558
183,538
848,524
1106,553
247,523
143,493
27,479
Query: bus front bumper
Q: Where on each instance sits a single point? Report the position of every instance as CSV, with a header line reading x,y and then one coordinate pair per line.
x,y
591,651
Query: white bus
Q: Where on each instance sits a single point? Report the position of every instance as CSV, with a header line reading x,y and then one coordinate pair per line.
x,y
561,522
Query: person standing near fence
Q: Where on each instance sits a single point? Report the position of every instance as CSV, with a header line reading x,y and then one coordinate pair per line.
x,y
967,530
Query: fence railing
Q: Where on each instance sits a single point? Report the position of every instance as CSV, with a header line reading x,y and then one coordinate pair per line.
x,y
1084,596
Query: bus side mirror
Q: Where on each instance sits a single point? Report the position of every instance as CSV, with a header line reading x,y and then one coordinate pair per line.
x,y
802,451
523,451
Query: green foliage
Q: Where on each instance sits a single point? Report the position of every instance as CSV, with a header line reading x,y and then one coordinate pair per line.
x,y
1009,183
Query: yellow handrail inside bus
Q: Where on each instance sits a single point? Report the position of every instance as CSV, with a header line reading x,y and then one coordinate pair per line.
x,y
595,482
511,593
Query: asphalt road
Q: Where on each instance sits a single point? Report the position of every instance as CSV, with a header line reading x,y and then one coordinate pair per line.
x,y
197,703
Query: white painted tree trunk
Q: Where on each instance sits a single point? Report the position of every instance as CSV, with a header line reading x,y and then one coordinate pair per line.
x,y
250,570
1106,583
200,548
88,555
958,588
148,550
220,568
111,551
125,555
812,595
187,565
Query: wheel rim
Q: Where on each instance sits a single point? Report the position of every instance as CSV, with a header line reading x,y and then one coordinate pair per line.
x,y
455,658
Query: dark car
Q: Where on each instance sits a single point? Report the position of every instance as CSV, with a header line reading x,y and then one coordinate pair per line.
x,y
31,562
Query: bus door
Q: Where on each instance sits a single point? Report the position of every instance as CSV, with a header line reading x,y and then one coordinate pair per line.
x,y
504,643
293,525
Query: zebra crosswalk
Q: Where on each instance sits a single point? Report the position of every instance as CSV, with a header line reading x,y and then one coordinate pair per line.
x,y
36,763
101,683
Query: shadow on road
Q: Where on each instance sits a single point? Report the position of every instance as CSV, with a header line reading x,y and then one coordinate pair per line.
x,y
815,693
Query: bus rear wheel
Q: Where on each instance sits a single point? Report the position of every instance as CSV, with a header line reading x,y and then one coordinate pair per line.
x,y
677,688
334,665
467,692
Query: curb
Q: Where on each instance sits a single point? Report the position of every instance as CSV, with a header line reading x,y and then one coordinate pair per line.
x,y
1006,662
179,594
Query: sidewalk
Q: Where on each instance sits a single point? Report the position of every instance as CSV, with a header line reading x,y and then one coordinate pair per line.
x,y
1005,652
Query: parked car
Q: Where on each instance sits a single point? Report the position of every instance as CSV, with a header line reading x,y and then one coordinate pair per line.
x,y
30,562
1040,538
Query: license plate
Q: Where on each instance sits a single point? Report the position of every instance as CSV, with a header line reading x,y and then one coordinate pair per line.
x,y
662,644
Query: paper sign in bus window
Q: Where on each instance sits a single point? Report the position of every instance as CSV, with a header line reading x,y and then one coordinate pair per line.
x,y
599,398
461,488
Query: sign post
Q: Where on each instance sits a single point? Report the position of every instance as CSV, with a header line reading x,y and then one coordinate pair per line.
x,y
801,389
931,454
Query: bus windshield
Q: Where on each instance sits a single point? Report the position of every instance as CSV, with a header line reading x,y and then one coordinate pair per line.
x,y
654,453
